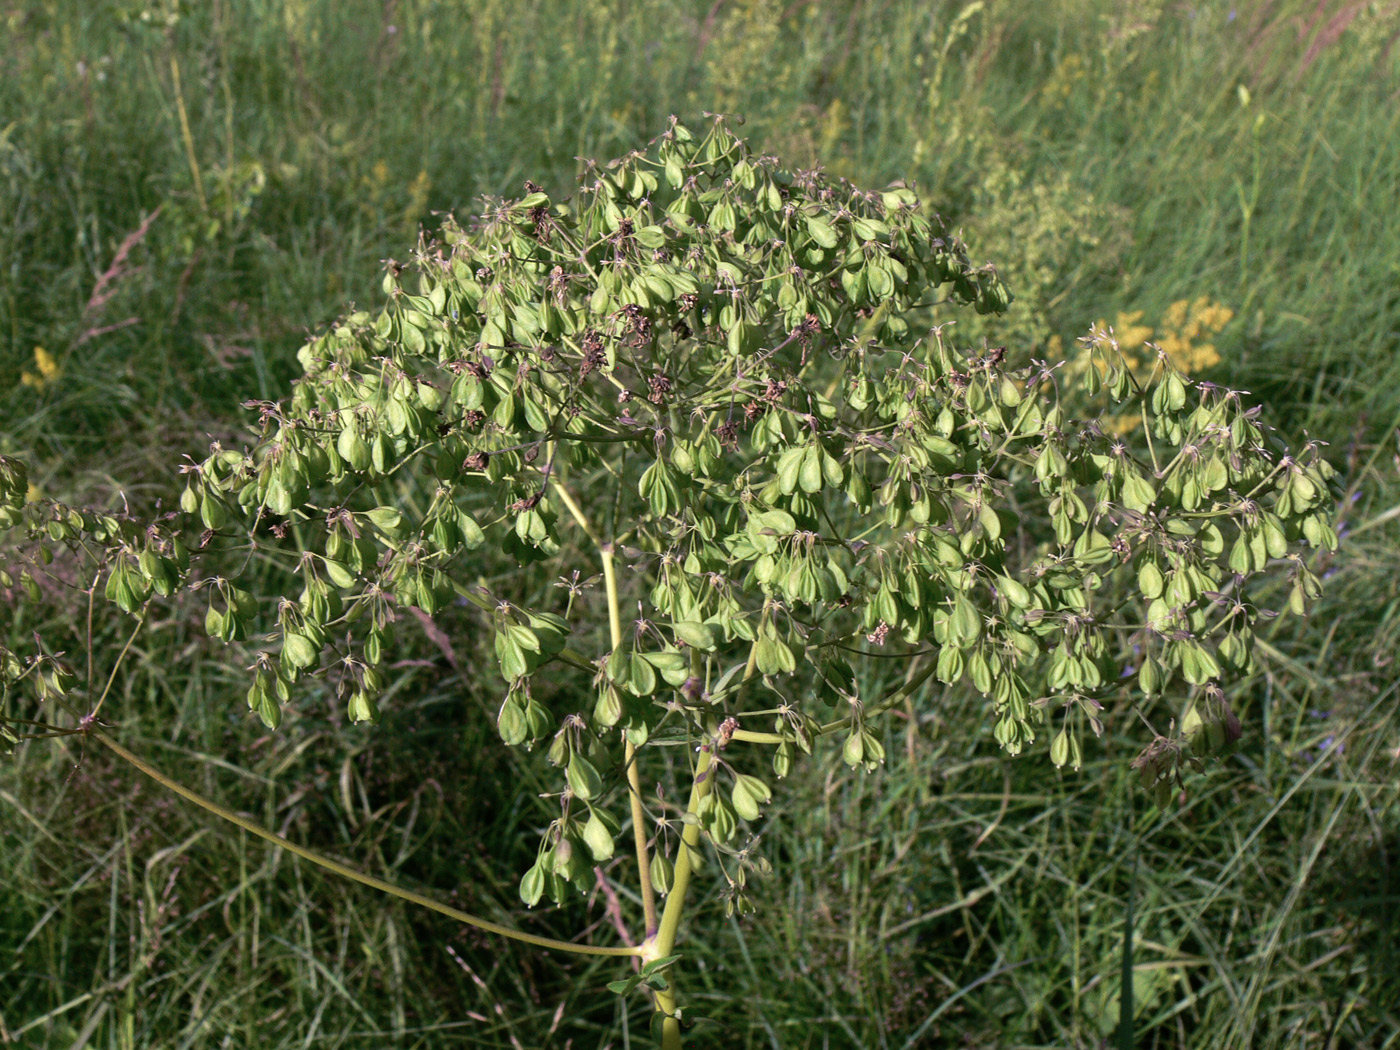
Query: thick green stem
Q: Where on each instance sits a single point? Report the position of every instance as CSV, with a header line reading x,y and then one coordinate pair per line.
x,y
610,582
343,871
664,943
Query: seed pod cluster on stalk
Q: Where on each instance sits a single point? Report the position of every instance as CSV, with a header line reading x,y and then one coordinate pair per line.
x,y
736,388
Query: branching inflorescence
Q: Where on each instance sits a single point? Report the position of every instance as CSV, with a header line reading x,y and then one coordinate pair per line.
x,y
732,391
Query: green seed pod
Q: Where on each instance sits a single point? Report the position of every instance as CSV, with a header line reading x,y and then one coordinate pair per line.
x,y
853,753
532,885
749,793
562,856
212,512
745,805
362,708
353,449
874,750
782,759
130,591
607,710
721,823
538,721
1193,725
559,751
381,454
662,873
1149,677
510,722
298,651
584,780
164,577
598,838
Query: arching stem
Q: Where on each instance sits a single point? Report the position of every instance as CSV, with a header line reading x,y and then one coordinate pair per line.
x,y
342,870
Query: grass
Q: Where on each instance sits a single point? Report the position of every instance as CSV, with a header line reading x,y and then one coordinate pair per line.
x,y
1110,165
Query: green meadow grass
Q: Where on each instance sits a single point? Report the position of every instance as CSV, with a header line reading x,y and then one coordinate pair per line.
x,y
1112,160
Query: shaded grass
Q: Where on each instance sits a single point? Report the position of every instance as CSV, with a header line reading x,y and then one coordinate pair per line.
x,y
944,900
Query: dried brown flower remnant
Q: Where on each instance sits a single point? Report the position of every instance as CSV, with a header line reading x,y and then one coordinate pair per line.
x,y
594,355
639,326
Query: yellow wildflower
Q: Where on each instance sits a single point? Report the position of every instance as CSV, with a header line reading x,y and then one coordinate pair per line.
x,y
373,184
1215,317
1176,315
1060,84
1176,347
1185,323
833,127
49,370
1129,333
418,192
1178,337
48,367
1201,357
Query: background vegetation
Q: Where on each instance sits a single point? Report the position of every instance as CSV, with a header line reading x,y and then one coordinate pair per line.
x,y
185,193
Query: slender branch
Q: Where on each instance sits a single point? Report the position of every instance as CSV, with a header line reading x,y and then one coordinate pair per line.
x,y
575,511
639,838
751,664
346,872
575,660
878,708
140,622
629,758
91,596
